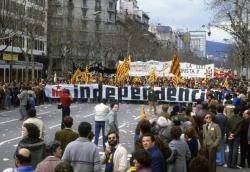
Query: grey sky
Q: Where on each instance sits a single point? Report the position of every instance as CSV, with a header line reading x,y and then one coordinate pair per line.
x,y
180,14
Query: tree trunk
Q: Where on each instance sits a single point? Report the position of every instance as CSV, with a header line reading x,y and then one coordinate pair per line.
x,y
33,65
26,67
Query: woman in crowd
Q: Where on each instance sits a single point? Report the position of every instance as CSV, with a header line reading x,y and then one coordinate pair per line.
x,y
142,160
191,138
181,148
31,141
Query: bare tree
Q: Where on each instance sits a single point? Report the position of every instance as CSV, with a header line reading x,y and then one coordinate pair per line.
x,y
233,17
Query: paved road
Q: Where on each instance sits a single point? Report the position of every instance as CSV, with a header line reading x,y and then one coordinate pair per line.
x,y
10,127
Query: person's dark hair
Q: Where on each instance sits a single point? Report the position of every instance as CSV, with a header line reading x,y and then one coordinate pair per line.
x,y
211,114
64,167
143,157
237,110
145,126
104,101
198,164
149,135
204,105
113,132
68,121
191,133
228,97
220,108
176,132
188,111
165,107
23,159
31,112
33,130
113,104
212,108
53,146
84,129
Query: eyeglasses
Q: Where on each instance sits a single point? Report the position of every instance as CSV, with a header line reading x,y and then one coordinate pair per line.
x,y
208,117
109,138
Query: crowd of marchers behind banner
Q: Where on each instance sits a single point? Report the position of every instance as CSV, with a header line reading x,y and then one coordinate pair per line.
x,y
190,137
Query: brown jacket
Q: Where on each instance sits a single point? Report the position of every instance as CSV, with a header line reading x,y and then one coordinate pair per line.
x,y
48,164
211,136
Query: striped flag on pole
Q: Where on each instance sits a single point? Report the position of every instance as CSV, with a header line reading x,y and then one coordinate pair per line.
x,y
175,70
123,70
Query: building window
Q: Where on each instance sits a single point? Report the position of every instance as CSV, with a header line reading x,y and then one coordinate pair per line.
x,y
111,5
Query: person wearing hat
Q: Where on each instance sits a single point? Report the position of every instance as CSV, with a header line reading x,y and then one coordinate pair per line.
x,y
51,161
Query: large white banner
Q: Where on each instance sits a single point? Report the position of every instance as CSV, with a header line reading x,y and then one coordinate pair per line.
x,y
188,70
143,68
126,93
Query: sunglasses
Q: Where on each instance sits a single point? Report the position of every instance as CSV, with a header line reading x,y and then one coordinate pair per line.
x,y
208,117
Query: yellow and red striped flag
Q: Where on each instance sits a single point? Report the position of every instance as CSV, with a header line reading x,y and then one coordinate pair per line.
x,y
123,70
226,84
175,69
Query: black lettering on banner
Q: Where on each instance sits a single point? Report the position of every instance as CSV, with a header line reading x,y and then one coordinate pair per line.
x,y
122,92
75,92
161,95
96,94
145,93
203,94
183,95
110,93
194,92
171,94
85,92
135,93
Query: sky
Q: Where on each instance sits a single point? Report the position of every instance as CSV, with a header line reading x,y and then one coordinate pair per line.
x,y
182,14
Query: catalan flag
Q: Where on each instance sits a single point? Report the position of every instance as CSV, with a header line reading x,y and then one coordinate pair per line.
x,y
142,113
175,69
226,84
123,70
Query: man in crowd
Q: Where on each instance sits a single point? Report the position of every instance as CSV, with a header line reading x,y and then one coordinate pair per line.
x,y
51,161
115,157
82,154
66,135
152,99
234,127
22,162
221,120
211,140
101,111
245,140
34,120
23,97
158,162
65,103
111,123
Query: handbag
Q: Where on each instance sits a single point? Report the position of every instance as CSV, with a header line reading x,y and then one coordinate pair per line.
x,y
59,106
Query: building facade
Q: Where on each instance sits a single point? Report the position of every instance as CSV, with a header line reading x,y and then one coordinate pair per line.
x,y
198,43
77,31
23,36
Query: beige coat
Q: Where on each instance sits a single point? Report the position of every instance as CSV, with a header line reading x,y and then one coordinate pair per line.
x,y
211,136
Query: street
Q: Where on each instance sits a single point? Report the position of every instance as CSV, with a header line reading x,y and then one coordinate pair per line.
x,y
10,127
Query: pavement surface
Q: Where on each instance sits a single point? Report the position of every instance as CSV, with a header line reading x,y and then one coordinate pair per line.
x,y
10,127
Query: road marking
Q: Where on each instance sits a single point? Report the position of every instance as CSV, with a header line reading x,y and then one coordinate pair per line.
x,y
137,117
54,126
8,121
6,141
123,125
123,131
42,113
89,115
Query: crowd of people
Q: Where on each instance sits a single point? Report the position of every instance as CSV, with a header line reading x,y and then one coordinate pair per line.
x,y
177,138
